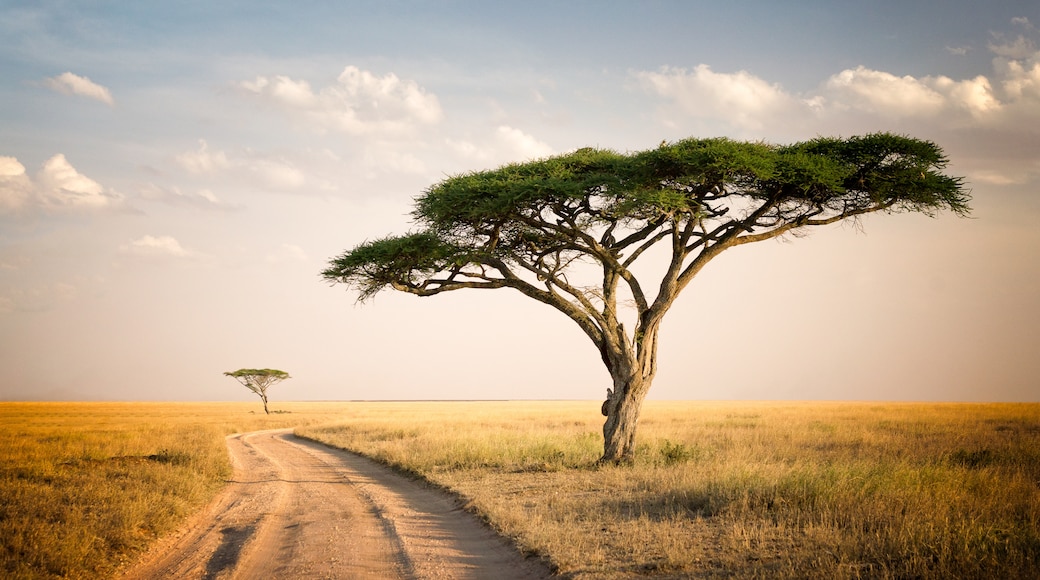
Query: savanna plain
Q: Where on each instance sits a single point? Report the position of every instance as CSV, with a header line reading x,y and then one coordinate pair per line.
x,y
717,490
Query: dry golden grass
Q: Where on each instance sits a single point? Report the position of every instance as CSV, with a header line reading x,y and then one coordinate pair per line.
x,y
820,490
749,490
85,486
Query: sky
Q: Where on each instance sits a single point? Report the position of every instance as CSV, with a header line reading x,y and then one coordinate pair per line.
x,y
174,176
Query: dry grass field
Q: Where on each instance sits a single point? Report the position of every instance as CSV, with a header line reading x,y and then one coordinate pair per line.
x,y
745,490
85,486
768,490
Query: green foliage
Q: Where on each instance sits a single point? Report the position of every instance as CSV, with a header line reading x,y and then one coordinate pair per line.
x,y
259,374
495,197
542,215
373,265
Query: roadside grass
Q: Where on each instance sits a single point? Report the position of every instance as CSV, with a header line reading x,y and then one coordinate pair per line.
x,y
770,490
84,487
748,490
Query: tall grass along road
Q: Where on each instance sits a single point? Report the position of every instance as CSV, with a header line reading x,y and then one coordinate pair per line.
x,y
297,509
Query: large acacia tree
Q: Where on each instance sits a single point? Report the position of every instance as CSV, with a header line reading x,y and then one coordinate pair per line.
x,y
541,227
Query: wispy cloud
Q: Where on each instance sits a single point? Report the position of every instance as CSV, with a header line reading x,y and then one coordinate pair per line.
x,y
256,169
287,253
202,199
155,247
38,298
72,84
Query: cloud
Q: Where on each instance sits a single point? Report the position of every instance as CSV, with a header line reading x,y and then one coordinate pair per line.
x,y
522,144
888,95
989,123
1021,78
39,298
15,186
248,166
287,253
504,144
277,173
202,160
71,84
742,98
358,103
155,246
58,186
1023,22
201,199
62,186
749,102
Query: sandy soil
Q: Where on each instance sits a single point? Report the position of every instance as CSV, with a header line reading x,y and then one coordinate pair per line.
x,y
298,509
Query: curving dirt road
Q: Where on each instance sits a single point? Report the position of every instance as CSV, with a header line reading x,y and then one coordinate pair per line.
x,y
299,509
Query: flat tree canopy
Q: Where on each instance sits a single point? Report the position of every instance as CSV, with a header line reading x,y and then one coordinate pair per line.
x,y
259,380
541,226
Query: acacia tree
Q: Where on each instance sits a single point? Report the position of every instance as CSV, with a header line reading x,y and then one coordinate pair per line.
x,y
259,380
542,226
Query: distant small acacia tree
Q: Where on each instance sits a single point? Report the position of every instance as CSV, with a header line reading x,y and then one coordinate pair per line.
x,y
259,380
568,231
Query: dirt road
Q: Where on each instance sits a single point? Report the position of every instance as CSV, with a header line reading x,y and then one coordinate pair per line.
x,y
298,509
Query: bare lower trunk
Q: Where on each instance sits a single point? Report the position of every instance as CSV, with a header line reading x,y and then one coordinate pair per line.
x,y
264,399
632,371
622,410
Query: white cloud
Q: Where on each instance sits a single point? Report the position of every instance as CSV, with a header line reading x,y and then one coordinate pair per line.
x,y
62,186
258,170
276,173
358,103
505,144
203,160
15,186
888,95
746,101
882,92
742,98
1021,79
71,84
990,123
379,159
155,246
522,144
58,186
282,89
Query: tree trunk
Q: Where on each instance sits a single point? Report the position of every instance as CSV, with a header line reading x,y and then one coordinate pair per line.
x,y
633,371
264,399
622,411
